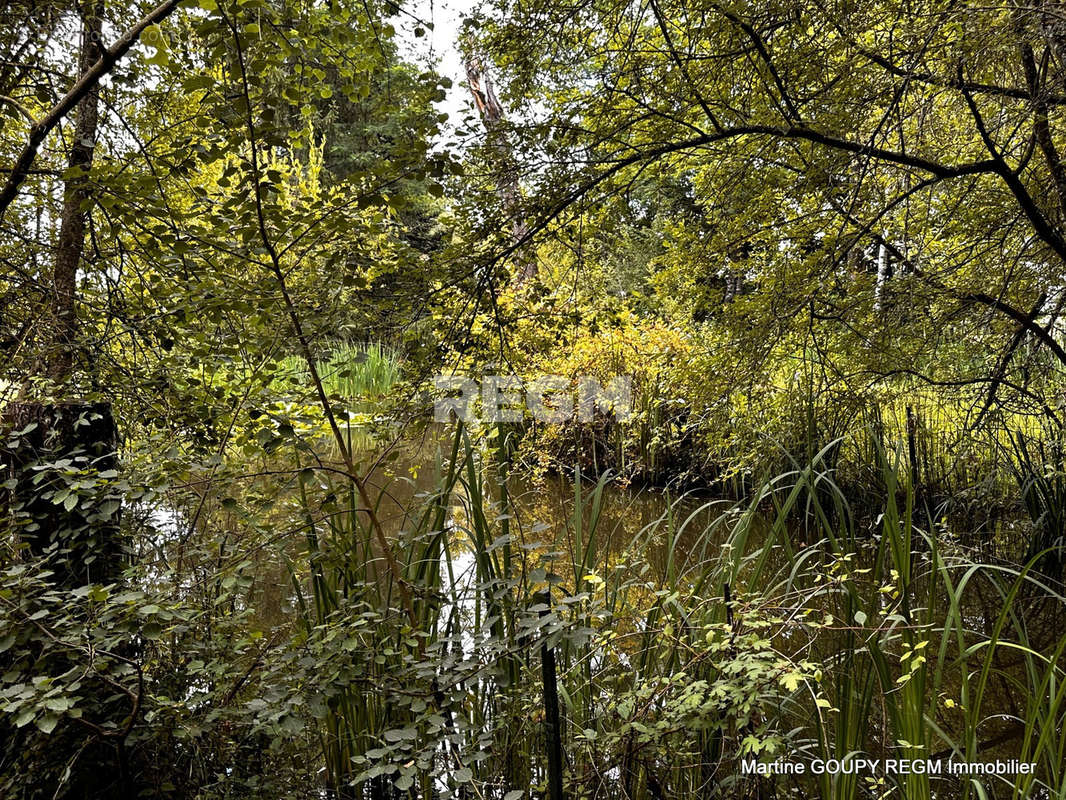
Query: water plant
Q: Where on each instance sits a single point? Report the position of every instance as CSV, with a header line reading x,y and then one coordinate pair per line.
x,y
353,371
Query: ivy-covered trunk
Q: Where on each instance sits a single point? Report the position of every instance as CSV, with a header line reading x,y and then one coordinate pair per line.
x,y
57,453
61,508
59,462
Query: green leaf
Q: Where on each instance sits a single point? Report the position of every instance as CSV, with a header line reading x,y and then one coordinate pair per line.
x,y
398,734
48,722
791,681
153,630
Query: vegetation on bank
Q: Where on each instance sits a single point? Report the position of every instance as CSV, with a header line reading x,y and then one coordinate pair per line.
x,y
790,625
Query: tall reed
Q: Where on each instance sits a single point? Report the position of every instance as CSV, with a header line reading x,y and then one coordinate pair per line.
x,y
789,625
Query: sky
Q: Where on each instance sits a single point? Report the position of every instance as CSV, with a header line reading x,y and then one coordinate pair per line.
x,y
446,16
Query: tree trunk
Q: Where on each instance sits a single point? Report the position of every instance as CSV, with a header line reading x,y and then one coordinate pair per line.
x,y
884,274
75,195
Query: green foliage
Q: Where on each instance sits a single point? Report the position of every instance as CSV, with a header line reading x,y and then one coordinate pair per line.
x,y
849,634
814,237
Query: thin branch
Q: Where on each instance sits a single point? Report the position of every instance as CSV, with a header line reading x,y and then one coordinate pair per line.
x,y
305,343
1008,355
1041,126
939,170
11,101
1041,225
85,84
764,53
681,66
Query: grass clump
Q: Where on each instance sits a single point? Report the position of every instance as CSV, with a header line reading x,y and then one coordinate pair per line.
x,y
364,372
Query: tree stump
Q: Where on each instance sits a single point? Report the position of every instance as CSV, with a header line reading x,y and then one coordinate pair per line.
x,y
57,466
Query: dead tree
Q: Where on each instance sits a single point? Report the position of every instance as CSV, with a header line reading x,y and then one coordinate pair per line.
x,y
488,106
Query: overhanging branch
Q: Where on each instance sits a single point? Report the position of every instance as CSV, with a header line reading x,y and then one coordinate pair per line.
x,y
85,84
